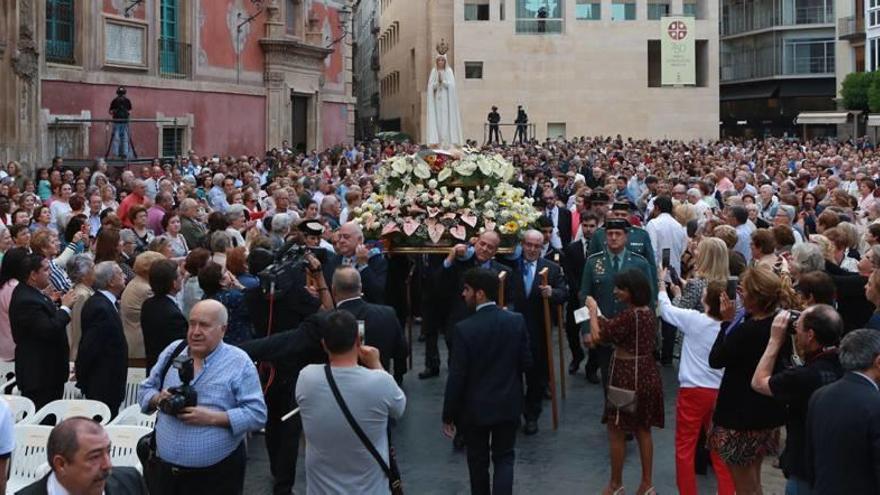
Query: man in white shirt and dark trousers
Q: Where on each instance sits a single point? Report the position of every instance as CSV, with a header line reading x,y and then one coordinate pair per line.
x,y
667,234
337,461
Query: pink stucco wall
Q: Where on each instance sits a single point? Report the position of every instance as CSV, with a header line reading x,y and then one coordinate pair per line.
x,y
334,122
224,123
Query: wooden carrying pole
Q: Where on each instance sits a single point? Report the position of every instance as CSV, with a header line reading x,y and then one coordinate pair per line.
x,y
409,317
502,276
547,334
560,335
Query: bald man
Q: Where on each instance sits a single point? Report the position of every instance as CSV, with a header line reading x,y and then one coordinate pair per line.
x,y
528,300
372,265
79,456
382,329
201,448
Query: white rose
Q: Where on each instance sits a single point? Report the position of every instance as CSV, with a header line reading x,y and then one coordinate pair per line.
x,y
420,187
489,214
460,201
432,184
445,203
424,197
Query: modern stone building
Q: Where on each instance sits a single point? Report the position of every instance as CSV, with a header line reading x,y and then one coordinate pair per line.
x,y
587,67
778,59
218,76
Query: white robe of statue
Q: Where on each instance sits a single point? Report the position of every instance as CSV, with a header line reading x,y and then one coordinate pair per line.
x,y
444,120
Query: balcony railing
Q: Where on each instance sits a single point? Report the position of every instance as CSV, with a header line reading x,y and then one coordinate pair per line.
x,y
769,62
539,26
175,59
851,27
745,17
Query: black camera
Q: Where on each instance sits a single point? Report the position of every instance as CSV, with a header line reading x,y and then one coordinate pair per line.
x,y
793,316
287,271
185,395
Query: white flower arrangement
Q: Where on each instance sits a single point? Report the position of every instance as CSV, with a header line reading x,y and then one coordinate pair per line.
x,y
432,196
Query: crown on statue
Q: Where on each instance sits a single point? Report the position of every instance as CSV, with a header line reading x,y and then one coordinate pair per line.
x,y
442,47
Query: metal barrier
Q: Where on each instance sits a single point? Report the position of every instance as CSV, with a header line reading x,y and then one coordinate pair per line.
x,y
82,140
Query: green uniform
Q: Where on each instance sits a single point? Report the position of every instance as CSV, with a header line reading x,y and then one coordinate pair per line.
x,y
637,241
598,279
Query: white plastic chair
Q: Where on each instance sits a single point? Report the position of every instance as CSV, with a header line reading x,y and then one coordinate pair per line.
x,y
22,408
29,456
133,384
7,377
63,409
123,441
132,416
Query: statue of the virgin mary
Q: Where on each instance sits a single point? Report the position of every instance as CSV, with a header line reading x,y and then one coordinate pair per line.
x,y
444,121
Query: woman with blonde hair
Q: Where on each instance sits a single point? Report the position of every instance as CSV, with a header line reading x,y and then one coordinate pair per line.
x,y
825,245
684,213
746,423
711,265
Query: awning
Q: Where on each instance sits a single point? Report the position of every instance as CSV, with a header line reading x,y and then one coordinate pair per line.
x,y
874,119
807,118
750,91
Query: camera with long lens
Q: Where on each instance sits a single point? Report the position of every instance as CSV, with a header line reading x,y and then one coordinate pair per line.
x,y
185,395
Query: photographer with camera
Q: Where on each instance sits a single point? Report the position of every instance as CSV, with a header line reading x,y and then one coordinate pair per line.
x,y
351,392
210,401
816,334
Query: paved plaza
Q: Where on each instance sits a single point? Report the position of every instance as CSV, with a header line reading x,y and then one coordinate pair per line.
x,y
571,460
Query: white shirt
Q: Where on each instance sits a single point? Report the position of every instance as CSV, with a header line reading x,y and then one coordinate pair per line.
x,y
109,295
700,332
53,487
866,377
666,233
553,214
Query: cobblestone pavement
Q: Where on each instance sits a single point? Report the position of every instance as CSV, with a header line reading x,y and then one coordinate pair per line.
x,y
570,460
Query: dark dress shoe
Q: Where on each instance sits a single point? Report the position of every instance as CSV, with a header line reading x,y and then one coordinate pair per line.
x,y
592,377
531,427
574,366
429,373
458,441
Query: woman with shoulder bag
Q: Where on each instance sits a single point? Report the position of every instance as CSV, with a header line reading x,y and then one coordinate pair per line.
x,y
634,399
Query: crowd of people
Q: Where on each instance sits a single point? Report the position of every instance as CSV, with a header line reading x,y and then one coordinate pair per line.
x,y
751,266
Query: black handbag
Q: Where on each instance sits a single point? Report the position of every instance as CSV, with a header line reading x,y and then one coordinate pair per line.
x,y
146,446
390,469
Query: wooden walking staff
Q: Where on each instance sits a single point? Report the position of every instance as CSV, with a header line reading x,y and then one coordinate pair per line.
x,y
502,276
560,337
547,335
409,316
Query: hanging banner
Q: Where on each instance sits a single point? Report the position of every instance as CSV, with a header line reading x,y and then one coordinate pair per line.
x,y
678,65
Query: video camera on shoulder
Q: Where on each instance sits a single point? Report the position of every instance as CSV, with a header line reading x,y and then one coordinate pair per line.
x,y
287,272
185,395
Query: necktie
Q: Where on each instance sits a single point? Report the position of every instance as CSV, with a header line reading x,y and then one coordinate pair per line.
x,y
528,277
586,248
615,263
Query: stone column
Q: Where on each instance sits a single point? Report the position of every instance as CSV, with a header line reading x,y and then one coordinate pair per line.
x,y
20,45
